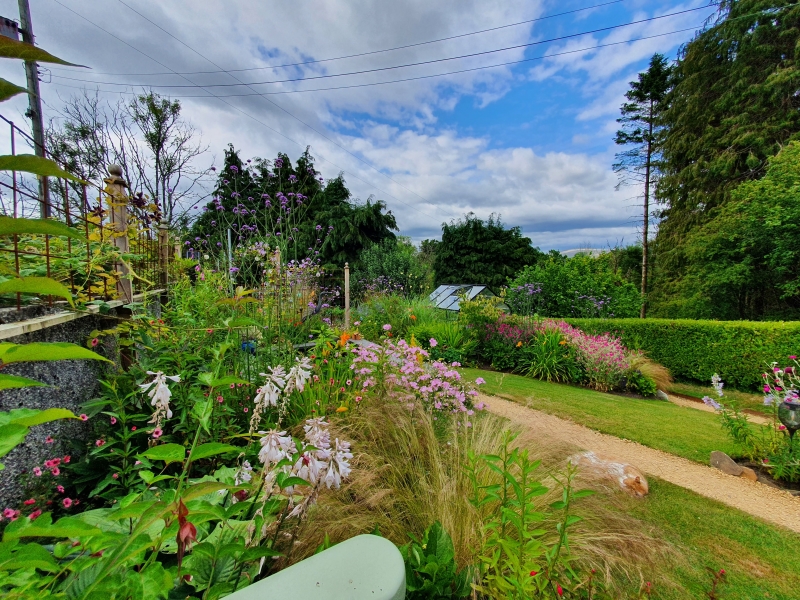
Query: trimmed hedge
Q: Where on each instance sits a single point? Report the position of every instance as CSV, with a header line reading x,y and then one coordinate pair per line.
x,y
740,351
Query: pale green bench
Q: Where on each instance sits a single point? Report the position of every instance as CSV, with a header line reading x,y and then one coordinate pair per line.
x,y
366,566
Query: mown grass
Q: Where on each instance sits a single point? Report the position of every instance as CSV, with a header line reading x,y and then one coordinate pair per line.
x,y
760,560
685,432
743,399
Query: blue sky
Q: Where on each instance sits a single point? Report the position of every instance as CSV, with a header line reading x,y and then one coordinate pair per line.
x,y
531,141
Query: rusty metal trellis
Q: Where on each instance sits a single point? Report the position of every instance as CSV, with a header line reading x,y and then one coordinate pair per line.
x,y
86,207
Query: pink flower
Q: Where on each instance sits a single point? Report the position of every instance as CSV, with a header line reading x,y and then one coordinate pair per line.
x,y
49,440
115,476
55,472
60,489
29,502
67,502
387,327
66,459
157,433
100,443
433,342
133,428
35,515
246,410
220,399
792,357
95,341
84,417
781,427
358,398
480,381
113,420
8,513
37,471
233,386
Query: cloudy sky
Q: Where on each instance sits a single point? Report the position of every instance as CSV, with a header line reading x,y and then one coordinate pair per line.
x,y
530,139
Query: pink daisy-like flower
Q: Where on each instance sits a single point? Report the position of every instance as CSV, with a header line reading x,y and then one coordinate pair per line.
x,y
60,489
67,502
67,459
157,433
95,341
29,501
56,472
49,439
100,443
37,471
113,420
233,386
35,515
387,327
8,513
246,410
220,399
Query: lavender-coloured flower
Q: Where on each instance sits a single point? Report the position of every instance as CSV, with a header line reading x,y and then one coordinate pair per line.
x,y
275,446
712,403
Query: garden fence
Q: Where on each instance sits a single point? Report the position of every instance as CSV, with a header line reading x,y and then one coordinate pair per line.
x,y
105,265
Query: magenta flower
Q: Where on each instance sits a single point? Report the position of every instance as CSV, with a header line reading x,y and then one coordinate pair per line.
x,y
67,502
387,327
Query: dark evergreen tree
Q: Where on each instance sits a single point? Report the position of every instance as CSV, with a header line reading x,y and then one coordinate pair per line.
x,y
734,104
474,251
642,134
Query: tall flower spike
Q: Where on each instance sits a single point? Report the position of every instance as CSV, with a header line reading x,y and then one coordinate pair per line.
x,y
159,395
275,446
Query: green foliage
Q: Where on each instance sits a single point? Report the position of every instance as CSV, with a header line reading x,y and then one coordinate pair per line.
x,y
639,383
431,569
732,106
41,286
391,266
548,356
37,165
582,286
9,90
743,263
738,350
18,226
478,252
518,558
454,343
15,425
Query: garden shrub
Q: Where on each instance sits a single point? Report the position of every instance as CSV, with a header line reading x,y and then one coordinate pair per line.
x,y
447,341
738,351
548,356
582,286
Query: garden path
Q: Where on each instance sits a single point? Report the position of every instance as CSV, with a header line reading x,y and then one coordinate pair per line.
x,y
762,501
699,405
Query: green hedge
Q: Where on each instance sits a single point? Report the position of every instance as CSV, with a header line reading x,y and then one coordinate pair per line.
x,y
740,351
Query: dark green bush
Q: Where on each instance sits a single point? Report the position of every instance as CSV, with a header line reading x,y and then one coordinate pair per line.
x,y
739,351
639,383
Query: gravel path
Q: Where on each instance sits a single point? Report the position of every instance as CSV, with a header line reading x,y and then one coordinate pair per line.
x,y
699,405
767,503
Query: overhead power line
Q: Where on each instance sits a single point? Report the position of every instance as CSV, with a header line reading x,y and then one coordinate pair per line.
x,y
406,79
378,69
368,53
236,108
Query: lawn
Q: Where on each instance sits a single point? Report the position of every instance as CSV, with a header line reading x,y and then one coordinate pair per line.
x,y
685,432
742,399
761,561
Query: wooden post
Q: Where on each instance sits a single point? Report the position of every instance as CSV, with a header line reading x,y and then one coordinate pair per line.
x,y
118,201
164,250
346,295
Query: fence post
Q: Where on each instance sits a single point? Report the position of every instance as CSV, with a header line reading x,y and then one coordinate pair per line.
x,y
118,201
163,258
347,295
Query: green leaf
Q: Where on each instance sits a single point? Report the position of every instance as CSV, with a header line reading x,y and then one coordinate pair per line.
x,y
133,511
10,382
212,449
42,286
20,226
30,163
43,351
204,488
30,556
256,553
227,381
37,417
9,90
166,452
11,435
68,527
10,48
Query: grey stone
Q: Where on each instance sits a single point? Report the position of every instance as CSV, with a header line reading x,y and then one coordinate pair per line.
x,y
662,395
72,383
748,473
725,463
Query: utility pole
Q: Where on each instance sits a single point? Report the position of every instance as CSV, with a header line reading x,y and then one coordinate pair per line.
x,y
35,102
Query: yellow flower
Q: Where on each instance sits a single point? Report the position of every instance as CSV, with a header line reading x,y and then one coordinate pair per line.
x,y
341,409
519,344
562,342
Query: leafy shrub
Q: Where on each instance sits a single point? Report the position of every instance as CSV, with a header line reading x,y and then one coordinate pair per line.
x,y
582,286
431,569
548,356
695,350
391,266
447,341
641,384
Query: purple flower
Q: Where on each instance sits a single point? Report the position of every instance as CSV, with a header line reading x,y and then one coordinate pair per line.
x,y
712,403
433,342
387,327
234,168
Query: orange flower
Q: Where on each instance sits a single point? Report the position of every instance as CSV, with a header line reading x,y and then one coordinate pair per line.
x,y
343,339
519,344
413,317
562,342
341,409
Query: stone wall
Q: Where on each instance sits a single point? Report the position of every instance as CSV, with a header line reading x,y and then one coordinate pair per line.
x,y
71,383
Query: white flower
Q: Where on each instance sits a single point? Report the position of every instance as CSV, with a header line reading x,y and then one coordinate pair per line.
x,y
159,395
338,464
275,446
317,433
244,474
716,381
276,375
267,395
299,375
308,467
